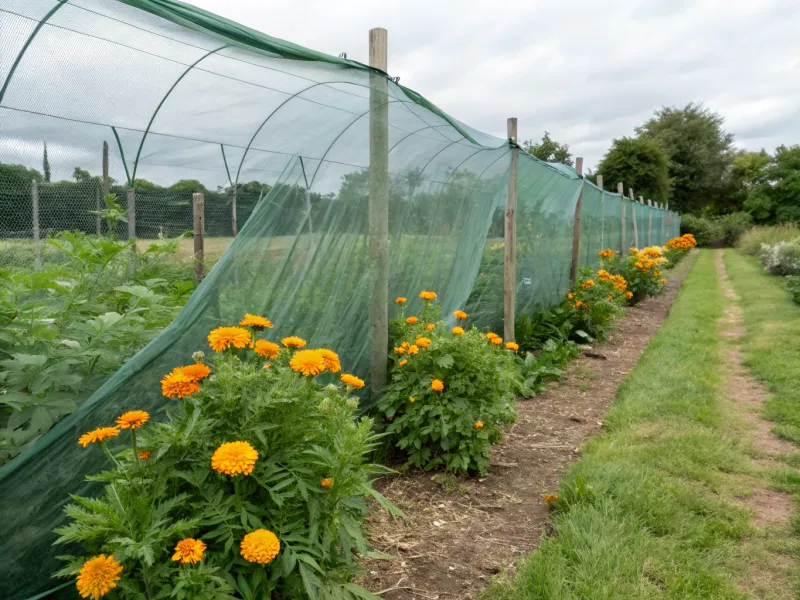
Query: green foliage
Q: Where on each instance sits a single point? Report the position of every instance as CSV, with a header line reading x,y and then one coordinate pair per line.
x,y
782,258
548,150
734,225
111,214
642,164
453,428
46,165
65,328
532,331
774,195
752,240
700,153
190,186
303,432
708,232
592,303
81,175
640,270
17,177
793,286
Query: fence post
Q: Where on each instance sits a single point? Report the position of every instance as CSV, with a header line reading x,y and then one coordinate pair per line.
x,y
635,220
510,239
623,240
132,229
576,225
37,245
649,221
106,190
199,223
602,212
234,220
379,205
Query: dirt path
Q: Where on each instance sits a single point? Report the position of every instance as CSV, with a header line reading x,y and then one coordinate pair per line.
x,y
748,395
460,532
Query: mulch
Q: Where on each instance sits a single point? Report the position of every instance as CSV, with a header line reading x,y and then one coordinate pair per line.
x,y
456,537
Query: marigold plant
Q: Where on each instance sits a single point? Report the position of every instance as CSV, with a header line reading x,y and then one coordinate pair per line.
x,y
641,270
239,486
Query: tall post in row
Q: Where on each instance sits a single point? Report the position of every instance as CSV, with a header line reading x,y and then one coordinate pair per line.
x,y
624,225
510,238
379,204
37,244
635,220
234,220
106,191
576,225
132,230
198,227
602,212
649,221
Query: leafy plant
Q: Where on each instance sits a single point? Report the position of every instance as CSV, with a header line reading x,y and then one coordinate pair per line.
x,y
253,488
449,392
595,299
641,269
793,285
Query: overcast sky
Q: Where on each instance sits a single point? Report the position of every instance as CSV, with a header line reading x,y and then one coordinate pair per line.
x,y
587,71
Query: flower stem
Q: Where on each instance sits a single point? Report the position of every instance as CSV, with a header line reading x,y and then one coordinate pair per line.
x,y
133,443
109,455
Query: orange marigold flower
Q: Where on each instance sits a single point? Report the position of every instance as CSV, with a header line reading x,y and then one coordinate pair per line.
x,y
491,335
609,297
629,295
144,454
460,314
293,342
430,326
425,295
308,362
423,342
178,385
223,338
267,349
234,458
331,360
189,551
403,362
550,499
260,546
400,300
255,321
587,284
98,576
512,346
98,435
663,281
412,320
197,371
437,385
133,419
497,340
327,482
458,330
578,304
478,424
352,381
399,350
570,296
413,349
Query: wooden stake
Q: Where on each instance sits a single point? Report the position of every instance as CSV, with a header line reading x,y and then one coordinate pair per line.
x,y
198,212
624,238
234,219
510,239
106,190
132,229
37,244
649,221
635,220
602,212
379,206
576,225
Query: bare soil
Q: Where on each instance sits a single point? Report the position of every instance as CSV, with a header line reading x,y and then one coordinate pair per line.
x,y
461,532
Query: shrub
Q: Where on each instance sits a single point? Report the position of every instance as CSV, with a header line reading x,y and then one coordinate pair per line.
x,y
793,285
752,240
676,248
595,299
450,391
782,258
253,488
734,227
707,232
641,269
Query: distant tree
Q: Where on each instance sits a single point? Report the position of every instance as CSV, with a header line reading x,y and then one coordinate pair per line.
x,y
641,163
188,185
46,165
548,150
81,175
699,150
775,193
14,177
145,185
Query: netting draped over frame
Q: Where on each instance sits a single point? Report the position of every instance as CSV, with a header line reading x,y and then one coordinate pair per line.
x,y
177,94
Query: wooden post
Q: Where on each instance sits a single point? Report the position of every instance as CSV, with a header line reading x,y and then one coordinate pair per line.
x,y
576,225
234,219
635,220
132,229
379,205
199,223
649,221
510,239
602,212
37,245
624,238
101,202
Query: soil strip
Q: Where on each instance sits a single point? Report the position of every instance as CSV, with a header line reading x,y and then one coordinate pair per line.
x,y
461,532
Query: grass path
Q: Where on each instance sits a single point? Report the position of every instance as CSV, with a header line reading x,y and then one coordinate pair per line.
x,y
665,503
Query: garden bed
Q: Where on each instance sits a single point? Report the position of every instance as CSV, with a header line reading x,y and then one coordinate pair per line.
x,y
459,532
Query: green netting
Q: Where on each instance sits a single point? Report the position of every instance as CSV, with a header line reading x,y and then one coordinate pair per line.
x,y
179,94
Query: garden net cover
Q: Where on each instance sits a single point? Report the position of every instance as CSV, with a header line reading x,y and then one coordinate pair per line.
x,y
178,93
